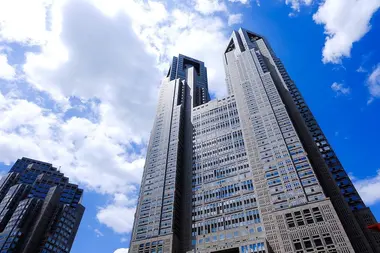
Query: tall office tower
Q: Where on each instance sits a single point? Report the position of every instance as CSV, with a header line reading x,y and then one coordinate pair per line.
x,y
248,51
343,190
241,173
161,213
40,211
353,214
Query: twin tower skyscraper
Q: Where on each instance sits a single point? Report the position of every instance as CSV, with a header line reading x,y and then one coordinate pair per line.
x,y
251,172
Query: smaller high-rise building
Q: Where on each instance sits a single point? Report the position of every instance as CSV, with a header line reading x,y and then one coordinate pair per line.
x,y
40,210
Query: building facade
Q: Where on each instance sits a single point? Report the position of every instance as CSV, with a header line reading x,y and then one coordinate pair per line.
x,y
40,210
246,173
159,217
353,213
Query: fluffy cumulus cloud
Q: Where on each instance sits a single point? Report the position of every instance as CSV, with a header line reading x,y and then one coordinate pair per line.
x,y
27,25
369,188
95,154
110,56
121,250
210,6
340,89
373,84
164,33
235,19
102,58
345,22
190,33
118,215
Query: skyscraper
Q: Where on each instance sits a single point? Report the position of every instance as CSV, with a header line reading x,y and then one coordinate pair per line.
x,y
166,185
40,209
251,172
335,183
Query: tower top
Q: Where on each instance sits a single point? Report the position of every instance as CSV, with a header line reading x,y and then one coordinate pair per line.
x,y
240,39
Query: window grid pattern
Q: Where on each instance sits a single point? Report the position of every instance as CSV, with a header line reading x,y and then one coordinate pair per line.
x,y
329,166
284,178
224,201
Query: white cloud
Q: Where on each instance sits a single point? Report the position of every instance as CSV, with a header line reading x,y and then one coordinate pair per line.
x,y
296,4
181,31
79,60
373,84
241,1
122,200
113,51
7,71
345,22
361,70
340,89
83,148
119,215
369,188
123,239
119,219
203,38
24,21
98,233
235,19
210,6
122,250
95,65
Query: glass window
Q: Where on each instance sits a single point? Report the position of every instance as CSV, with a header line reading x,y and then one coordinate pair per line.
x,y
328,240
318,242
298,245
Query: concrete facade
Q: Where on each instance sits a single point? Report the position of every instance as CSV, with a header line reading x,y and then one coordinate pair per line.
x,y
336,184
163,211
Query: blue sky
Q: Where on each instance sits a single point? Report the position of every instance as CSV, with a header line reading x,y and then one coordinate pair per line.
x,y
79,83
